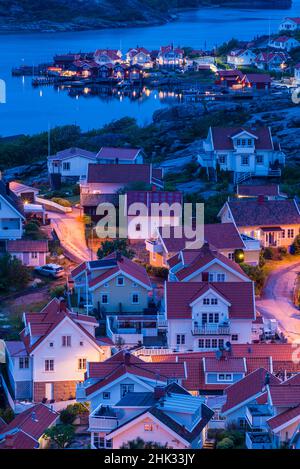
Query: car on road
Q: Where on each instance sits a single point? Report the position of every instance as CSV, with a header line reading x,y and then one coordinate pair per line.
x,y
51,270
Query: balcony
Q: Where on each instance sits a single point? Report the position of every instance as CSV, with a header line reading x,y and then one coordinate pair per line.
x,y
153,246
257,416
258,440
103,419
211,329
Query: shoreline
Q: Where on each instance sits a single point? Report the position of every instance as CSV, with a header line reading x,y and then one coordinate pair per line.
x,y
172,16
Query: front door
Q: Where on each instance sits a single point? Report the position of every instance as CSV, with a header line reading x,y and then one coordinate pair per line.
x,y
49,391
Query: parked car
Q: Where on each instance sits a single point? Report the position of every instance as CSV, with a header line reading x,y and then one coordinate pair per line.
x,y
51,270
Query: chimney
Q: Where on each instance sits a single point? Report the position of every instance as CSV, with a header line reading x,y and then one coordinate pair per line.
x,y
127,358
9,441
260,199
119,256
159,392
62,306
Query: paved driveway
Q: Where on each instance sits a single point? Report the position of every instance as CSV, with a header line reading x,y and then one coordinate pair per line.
x,y
70,231
277,299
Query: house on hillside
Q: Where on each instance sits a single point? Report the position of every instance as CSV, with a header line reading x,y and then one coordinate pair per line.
x,y
204,265
70,163
31,253
208,315
52,354
275,223
290,24
244,394
112,155
272,61
11,214
244,152
26,430
107,56
139,56
107,382
167,415
170,57
241,58
286,43
104,182
226,239
28,194
120,290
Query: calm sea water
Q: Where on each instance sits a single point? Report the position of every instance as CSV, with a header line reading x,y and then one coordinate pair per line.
x,y
30,110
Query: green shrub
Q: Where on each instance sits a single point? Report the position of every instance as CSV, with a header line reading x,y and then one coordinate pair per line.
x,y
61,201
7,414
58,291
257,274
295,248
161,272
67,417
226,443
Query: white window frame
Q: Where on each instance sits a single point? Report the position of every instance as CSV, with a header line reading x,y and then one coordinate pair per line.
x,y
81,363
138,298
119,278
66,341
227,377
49,361
107,296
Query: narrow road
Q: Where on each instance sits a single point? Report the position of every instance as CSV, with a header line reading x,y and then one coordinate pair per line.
x,y
277,299
70,231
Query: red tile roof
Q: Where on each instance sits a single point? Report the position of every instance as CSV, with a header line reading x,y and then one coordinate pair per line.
x,y
247,388
197,259
222,137
230,364
119,153
33,422
248,212
285,395
180,295
119,173
24,245
42,323
255,191
19,440
219,235
72,152
111,53
284,418
154,197
295,19
123,362
121,265
294,380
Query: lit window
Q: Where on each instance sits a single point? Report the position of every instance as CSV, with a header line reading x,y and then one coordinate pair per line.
x,y
148,427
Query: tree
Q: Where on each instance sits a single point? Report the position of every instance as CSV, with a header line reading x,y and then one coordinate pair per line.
x,y
295,248
138,443
226,443
109,246
62,435
13,274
